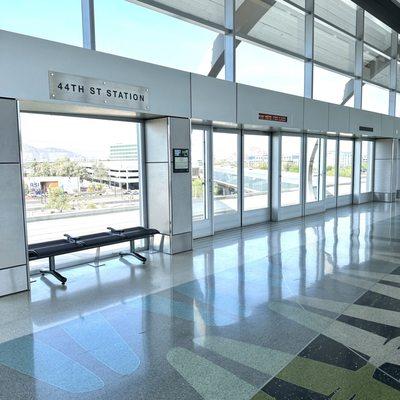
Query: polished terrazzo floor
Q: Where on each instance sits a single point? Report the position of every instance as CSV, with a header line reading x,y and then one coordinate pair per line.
x,y
303,309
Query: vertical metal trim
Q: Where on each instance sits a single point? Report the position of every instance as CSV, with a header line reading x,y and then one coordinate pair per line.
x,y
393,75
373,169
88,24
309,50
28,281
303,174
337,159
241,183
359,58
229,40
142,175
191,180
210,176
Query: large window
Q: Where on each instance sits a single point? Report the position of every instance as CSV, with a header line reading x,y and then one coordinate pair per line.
x,y
367,165
333,87
59,20
375,99
377,34
225,172
255,171
268,69
80,175
277,23
333,47
345,179
331,154
133,31
290,170
341,13
376,67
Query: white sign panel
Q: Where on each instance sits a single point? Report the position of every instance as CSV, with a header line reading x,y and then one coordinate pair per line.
x,y
81,89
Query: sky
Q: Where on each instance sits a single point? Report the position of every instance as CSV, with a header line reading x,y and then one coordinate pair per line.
x,y
87,137
137,32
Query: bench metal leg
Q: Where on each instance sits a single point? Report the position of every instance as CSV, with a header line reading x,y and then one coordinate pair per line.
x,y
96,263
133,253
52,271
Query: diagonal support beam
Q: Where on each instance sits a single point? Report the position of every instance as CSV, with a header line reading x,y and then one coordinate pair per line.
x,y
247,16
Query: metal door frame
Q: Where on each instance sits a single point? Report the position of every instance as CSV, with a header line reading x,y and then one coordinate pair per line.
x,y
229,220
318,206
347,199
262,214
279,212
205,227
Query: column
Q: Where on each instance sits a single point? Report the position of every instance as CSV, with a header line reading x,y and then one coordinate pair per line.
x,y
385,170
13,260
169,193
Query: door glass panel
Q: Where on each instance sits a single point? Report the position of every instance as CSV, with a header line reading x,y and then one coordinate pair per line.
x,y
255,171
345,167
225,170
313,169
331,148
290,170
199,200
366,166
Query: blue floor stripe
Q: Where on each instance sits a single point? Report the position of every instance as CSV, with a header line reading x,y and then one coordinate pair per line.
x,y
168,307
96,335
44,363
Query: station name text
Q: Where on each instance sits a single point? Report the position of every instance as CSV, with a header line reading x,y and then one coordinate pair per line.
x,y
99,91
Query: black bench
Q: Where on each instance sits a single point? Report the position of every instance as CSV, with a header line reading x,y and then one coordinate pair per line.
x,y
71,244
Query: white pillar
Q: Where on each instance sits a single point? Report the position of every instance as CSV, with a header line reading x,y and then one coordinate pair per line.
x,y
14,275
169,192
385,170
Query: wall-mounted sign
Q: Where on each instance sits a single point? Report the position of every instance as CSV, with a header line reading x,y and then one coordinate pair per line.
x,y
94,91
272,117
366,129
181,160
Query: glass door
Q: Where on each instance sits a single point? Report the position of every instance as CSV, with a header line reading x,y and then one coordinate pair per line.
x,y
290,185
201,182
256,168
314,175
345,172
331,172
367,170
226,179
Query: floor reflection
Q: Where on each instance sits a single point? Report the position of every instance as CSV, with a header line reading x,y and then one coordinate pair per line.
x,y
246,309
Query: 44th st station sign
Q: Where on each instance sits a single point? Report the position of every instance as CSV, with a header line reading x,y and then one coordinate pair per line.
x,y
82,89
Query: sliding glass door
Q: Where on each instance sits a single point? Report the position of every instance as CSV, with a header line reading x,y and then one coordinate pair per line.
x,y
314,175
226,179
201,182
331,172
290,186
345,172
256,169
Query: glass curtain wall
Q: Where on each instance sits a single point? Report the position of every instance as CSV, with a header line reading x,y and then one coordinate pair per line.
x,y
270,47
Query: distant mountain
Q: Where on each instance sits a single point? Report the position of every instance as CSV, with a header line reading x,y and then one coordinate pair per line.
x,y
31,153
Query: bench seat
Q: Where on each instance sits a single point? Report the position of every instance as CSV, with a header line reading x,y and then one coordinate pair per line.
x,y
59,247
